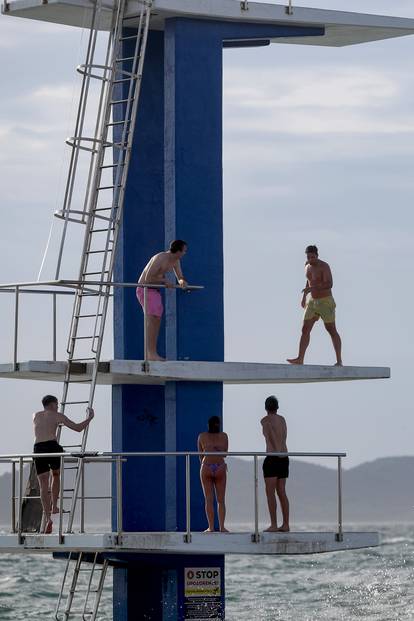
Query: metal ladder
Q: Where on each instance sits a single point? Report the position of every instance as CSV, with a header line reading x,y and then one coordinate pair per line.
x,y
73,586
102,211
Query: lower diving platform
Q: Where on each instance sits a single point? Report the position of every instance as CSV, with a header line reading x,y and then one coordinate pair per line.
x,y
141,372
299,542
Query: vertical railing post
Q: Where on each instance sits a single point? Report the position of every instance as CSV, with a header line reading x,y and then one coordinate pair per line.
x,y
20,526
13,498
145,331
54,327
119,508
61,497
289,8
16,326
256,536
339,534
82,504
187,536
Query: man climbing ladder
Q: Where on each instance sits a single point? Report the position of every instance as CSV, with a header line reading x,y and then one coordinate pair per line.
x,y
45,425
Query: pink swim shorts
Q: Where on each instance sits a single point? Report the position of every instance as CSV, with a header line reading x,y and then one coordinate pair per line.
x,y
154,301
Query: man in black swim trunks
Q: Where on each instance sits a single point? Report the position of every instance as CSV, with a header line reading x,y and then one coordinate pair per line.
x,y
45,424
275,469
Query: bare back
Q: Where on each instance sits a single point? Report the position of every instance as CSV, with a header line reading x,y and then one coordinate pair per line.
x,y
211,442
156,268
45,424
275,433
319,277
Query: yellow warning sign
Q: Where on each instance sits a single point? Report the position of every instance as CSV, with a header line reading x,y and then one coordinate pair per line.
x,y
202,582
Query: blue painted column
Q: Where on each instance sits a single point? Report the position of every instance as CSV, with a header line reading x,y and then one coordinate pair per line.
x,y
174,191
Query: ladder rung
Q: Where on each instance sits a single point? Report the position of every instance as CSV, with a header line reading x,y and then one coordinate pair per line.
x,y
120,81
129,37
107,187
98,251
94,273
102,230
119,101
113,123
81,360
92,315
72,446
80,338
69,489
112,166
71,468
121,60
74,402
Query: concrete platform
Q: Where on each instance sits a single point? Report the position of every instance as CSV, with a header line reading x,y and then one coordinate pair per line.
x,y
201,543
134,372
341,28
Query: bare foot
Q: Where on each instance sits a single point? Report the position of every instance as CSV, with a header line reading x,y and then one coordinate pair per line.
x,y
294,360
209,530
223,530
155,358
271,529
55,510
283,529
338,364
49,527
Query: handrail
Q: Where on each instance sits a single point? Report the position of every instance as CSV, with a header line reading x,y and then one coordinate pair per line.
x,y
76,283
118,458
102,455
60,288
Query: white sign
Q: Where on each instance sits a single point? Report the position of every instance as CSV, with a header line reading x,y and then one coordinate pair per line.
x,y
202,582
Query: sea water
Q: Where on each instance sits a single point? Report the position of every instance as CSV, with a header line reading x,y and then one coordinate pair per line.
x,y
375,584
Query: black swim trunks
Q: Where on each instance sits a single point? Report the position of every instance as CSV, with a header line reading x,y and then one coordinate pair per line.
x,y
44,464
276,467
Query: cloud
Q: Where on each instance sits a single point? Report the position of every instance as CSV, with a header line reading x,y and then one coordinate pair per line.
x,y
315,101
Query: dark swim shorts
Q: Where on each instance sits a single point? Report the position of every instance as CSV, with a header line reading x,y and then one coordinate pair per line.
x,y
276,467
44,464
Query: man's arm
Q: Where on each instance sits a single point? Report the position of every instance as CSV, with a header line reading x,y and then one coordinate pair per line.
x,y
64,420
305,292
179,275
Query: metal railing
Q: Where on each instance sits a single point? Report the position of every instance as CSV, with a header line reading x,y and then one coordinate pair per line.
x,y
56,288
116,496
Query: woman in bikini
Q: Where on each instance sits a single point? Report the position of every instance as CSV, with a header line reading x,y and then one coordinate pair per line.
x,y
213,471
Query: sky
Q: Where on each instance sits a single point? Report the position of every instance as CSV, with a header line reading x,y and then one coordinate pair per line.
x,y
318,149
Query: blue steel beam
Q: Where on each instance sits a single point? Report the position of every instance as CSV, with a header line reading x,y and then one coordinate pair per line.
x,y
174,190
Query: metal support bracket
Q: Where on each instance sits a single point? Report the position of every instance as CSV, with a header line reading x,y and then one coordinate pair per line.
x,y
187,538
289,8
244,5
339,537
255,538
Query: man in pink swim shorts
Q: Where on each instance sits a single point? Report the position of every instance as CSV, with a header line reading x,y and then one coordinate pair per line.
x,y
154,274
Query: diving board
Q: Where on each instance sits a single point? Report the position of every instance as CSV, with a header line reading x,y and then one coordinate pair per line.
x,y
138,372
340,28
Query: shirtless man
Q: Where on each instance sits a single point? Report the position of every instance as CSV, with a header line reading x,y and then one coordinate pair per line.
x,y
318,302
154,273
213,472
45,424
275,469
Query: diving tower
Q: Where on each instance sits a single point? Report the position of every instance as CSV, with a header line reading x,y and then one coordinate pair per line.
x,y
160,164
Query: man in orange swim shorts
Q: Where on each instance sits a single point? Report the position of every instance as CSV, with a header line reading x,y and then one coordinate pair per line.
x,y
154,274
318,302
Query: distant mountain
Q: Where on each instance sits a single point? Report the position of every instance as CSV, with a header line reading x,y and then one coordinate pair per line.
x,y
377,491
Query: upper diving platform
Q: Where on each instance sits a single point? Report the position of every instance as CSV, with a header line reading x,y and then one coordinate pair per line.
x,y
340,28
144,372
